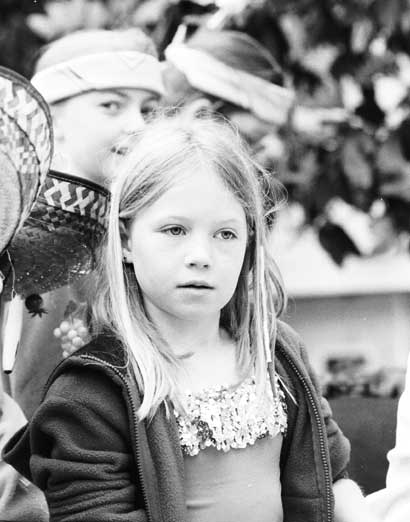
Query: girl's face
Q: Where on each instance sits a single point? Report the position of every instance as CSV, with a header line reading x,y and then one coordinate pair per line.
x,y
188,248
88,125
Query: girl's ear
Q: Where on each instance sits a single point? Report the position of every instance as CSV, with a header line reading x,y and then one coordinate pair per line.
x,y
125,242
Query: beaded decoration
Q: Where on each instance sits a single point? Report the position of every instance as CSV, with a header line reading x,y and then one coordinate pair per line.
x,y
229,418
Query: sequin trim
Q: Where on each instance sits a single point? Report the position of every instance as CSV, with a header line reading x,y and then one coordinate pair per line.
x,y
229,418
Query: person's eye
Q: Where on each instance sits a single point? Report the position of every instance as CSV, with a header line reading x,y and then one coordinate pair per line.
x,y
111,107
148,108
174,230
226,235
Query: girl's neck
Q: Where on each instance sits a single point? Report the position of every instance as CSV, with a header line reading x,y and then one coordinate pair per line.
x,y
187,338
207,352
193,341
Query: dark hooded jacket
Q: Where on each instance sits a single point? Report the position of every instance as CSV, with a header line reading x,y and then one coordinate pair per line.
x,y
96,462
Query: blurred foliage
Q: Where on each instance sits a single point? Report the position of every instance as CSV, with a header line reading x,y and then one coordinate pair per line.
x,y
18,43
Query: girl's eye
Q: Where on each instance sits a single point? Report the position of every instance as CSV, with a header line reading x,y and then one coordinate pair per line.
x,y
149,108
226,234
111,107
174,231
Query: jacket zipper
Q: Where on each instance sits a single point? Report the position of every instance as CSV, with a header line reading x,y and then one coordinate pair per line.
x,y
328,487
134,411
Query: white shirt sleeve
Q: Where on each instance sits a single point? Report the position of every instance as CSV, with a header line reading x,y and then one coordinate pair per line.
x,y
392,504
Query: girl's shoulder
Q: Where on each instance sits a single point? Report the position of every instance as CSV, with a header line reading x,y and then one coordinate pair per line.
x,y
291,356
81,394
105,347
104,354
289,342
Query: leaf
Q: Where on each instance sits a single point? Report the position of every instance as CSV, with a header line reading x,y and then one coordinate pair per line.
x,y
355,156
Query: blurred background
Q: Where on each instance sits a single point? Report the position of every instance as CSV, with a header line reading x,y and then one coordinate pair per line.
x,y
343,154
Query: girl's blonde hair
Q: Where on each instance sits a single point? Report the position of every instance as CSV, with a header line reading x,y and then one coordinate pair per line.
x,y
156,156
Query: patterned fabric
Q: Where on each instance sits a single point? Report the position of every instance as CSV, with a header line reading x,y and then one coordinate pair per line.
x,y
229,418
19,148
26,144
76,199
57,243
23,104
25,131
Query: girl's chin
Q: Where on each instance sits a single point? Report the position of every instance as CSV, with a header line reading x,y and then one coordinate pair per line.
x,y
199,315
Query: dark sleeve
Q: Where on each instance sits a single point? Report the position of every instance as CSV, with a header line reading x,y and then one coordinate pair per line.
x,y
339,445
81,452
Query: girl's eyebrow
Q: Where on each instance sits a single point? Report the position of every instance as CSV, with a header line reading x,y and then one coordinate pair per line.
x,y
105,92
230,221
222,222
124,95
169,217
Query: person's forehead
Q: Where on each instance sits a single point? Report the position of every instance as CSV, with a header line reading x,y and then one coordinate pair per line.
x,y
126,93
129,92
205,181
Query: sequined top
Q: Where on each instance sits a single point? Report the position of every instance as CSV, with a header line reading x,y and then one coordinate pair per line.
x,y
226,417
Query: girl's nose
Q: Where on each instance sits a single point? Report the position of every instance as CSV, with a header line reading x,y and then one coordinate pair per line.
x,y
198,255
198,263
134,123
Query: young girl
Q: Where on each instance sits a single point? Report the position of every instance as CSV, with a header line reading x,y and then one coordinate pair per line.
x,y
193,403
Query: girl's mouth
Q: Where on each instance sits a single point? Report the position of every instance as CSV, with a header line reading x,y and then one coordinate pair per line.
x,y
196,285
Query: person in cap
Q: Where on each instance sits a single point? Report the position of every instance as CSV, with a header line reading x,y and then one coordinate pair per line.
x,y
235,74
101,85
232,73
25,155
